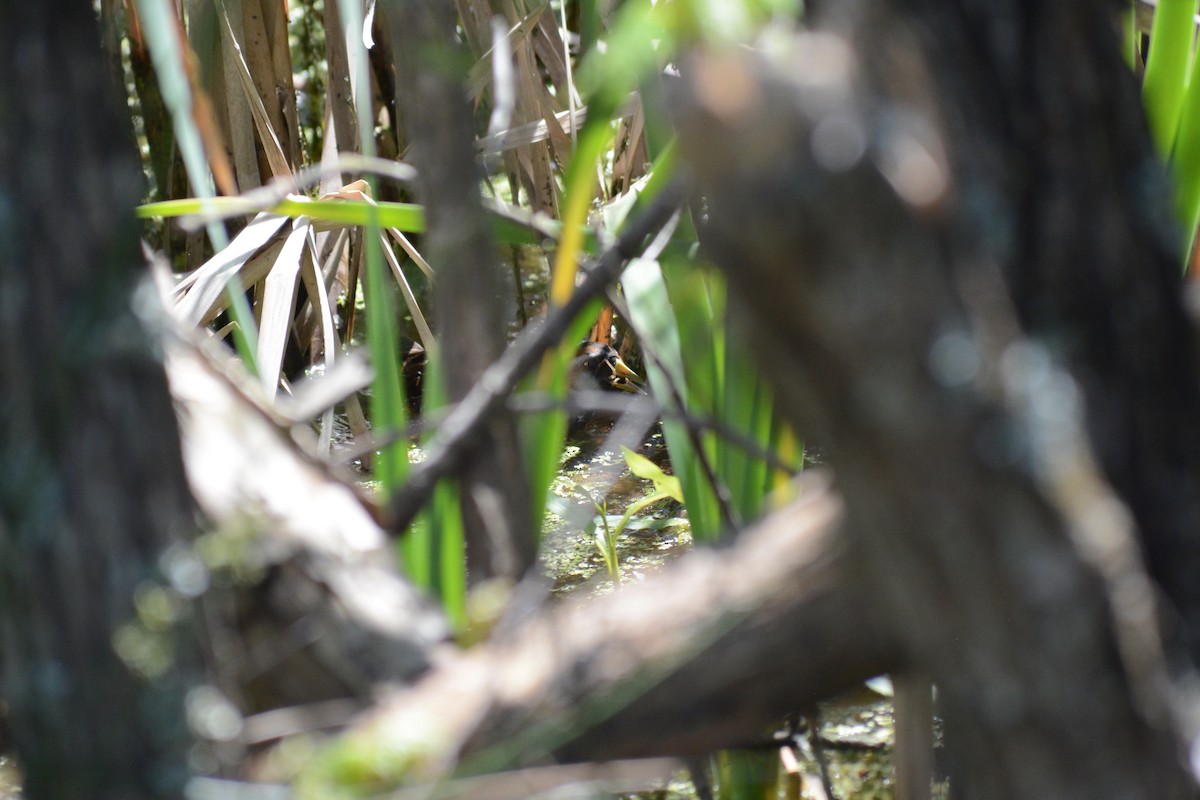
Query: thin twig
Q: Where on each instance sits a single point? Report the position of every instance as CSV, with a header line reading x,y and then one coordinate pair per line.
x,y
580,402
460,429
276,191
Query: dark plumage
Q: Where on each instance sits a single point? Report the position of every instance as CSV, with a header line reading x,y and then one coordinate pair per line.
x,y
599,366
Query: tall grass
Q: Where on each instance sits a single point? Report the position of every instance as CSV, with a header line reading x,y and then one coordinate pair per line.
x,y
701,369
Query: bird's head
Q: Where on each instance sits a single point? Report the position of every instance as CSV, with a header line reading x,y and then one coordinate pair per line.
x,y
604,366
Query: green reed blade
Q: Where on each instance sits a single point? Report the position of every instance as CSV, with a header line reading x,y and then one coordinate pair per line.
x,y
1185,161
1167,69
653,317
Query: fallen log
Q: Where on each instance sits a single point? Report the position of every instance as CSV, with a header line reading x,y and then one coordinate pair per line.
x,y
706,654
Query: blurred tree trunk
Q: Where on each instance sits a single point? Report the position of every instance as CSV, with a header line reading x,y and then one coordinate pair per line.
x,y
1079,222
431,70
931,208
92,491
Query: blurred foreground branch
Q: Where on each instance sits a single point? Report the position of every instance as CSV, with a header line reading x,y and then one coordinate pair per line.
x,y
709,652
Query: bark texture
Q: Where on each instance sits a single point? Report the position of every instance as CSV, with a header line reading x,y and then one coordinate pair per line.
x,y
903,201
92,491
1058,186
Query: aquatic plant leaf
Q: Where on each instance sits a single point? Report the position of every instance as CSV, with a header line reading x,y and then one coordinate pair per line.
x,y
645,468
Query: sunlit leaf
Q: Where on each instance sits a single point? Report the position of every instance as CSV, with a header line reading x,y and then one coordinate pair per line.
x,y
645,468
279,300
204,286
1167,69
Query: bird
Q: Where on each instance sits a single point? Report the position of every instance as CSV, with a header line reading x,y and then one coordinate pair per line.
x,y
597,367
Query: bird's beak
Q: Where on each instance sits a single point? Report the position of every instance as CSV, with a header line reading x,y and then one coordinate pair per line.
x,y
623,377
621,369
